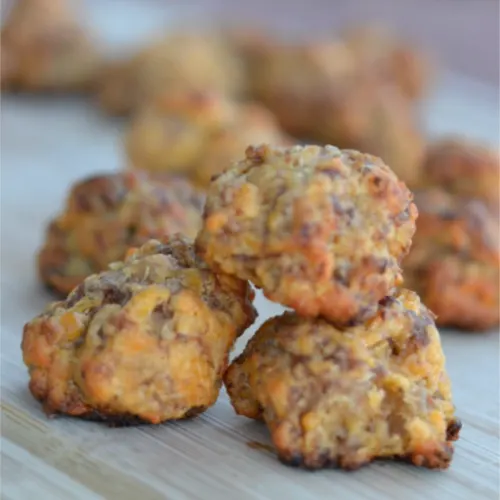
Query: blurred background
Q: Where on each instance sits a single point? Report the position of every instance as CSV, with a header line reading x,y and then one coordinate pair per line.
x,y
463,34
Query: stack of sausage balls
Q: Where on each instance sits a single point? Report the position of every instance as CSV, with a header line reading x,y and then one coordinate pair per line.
x,y
355,370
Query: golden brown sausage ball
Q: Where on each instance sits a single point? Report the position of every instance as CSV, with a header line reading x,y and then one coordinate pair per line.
x,y
43,48
320,92
107,214
319,229
179,61
197,134
344,397
146,341
464,168
454,262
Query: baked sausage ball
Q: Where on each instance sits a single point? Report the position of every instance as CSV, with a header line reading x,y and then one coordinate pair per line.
x,y
392,59
319,229
454,262
464,168
198,134
344,397
107,214
195,62
146,341
294,80
320,92
43,48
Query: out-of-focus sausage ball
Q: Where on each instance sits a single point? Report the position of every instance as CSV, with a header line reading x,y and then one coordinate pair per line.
x,y
187,61
197,134
146,341
43,48
392,59
107,214
322,93
454,262
344,397
319,229
464,168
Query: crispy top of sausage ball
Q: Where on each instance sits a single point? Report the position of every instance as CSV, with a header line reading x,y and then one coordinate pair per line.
x,y
319,229
105,215
145,341
344,397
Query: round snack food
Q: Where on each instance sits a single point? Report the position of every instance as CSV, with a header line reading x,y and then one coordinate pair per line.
x,y
296,81
342,398
197,134
464,168
146,341
454,262
43,48
335,100
188,61
375,47
107,214
319,229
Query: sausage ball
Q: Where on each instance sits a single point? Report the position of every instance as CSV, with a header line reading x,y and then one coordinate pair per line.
x,y
343,397
194,62
454,262
146,341
464,168
43,48
321,92
105,215
198,134
319,229
394,60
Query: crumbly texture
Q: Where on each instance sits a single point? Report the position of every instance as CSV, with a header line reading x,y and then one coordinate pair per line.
x,y
464,168
333,99
342,398
43,48
395,61
107,214
319,229
146,341
188,61
198,134
454,262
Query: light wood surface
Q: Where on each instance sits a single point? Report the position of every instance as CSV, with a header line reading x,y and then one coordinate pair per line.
x,y
47,143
